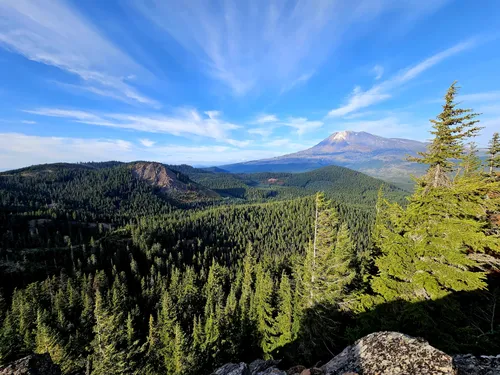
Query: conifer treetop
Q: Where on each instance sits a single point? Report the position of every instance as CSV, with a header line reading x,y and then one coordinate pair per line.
x,y
450,129
494,152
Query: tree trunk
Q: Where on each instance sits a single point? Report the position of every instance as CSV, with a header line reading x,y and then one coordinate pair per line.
x,y
313,267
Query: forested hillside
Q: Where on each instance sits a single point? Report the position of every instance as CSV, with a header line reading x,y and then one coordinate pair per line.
x,y
144,268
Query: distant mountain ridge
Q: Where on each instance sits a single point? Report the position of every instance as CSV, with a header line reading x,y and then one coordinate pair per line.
x,y
371,154
362,142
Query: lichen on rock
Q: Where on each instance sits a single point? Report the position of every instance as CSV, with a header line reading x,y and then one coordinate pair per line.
x,y
36,364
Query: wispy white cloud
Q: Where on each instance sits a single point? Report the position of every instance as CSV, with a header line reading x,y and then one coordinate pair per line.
x,y
249,44
487,96
147,142
19,150
302,124
288,145
378,71
238,143
266,124
360,99
54,33
184,121
263,132
278,142
210,155
29,122
297,82
390,126
265,118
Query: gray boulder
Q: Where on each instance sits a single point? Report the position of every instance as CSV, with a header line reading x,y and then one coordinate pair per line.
x,y
262,367
468,364
257,367
36,364
390,353
233,369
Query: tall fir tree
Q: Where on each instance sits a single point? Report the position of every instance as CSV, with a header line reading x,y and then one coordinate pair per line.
x,y
247,282
181,355
111,354
262,308
167,321
427,249
154,361
284,318
329,265
46,339
452,127
214,310
494,153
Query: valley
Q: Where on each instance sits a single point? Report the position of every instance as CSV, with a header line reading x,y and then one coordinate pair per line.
x,y
151,268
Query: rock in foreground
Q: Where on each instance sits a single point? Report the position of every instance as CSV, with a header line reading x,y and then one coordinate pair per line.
x,y
470,365
382,353
390,353
258,367
36,364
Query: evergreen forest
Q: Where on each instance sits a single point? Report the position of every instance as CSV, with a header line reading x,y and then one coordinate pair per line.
x,y
111,269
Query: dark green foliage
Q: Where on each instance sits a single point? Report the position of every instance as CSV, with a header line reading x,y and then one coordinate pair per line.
x,y
494,153
109,275
452,127
428,249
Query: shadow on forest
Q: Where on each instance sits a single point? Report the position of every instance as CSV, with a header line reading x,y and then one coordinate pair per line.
x,y
467,322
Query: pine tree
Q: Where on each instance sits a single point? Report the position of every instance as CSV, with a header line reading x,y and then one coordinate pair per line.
x,y
262,308
214,309
471,165
198,341
180,356
11,344
344,258
285,313
494,153
46,339
154,362
111,354
328,268
167,321
452,127
428,249
246,287
3,307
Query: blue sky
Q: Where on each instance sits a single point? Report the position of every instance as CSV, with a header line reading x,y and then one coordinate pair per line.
x,y
214,82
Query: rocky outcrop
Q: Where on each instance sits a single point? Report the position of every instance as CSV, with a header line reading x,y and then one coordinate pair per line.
x,y
172,183
390,353
258,367
36,364
471,365
382,353
157,175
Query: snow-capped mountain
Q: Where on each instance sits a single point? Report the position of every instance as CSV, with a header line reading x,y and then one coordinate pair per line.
x,y
374,155
362,142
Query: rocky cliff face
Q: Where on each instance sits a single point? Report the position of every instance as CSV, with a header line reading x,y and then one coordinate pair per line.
x,y
381,353
170,182
157,175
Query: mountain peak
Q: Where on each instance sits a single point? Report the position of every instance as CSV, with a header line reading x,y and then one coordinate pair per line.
x,y
346,134
342,135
